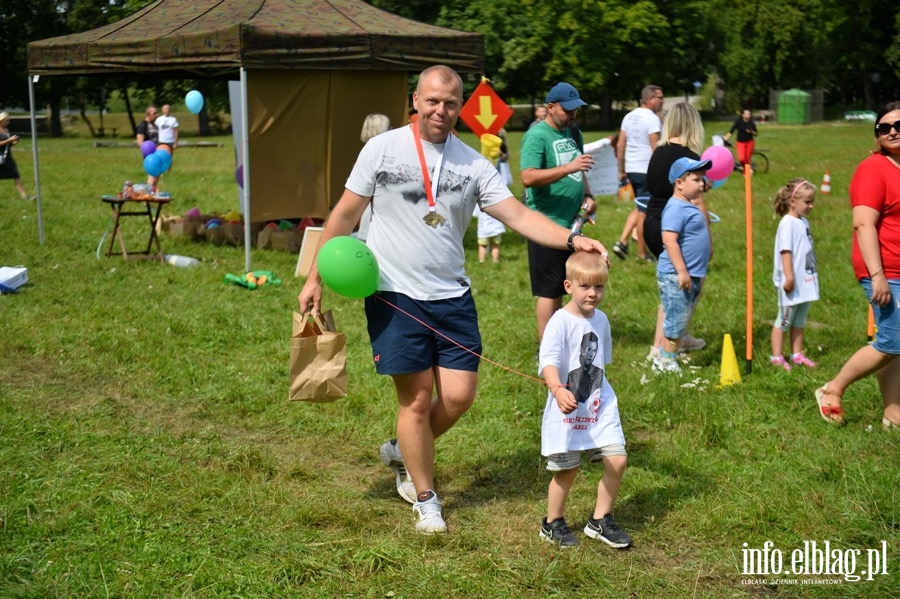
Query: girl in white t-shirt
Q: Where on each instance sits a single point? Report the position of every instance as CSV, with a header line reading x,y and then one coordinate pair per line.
x,y
795,273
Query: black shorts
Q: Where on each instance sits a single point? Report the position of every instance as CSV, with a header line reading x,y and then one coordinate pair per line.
x,y
653,235
547,267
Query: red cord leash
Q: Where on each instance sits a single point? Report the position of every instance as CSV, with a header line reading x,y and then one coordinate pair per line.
x,y
456,343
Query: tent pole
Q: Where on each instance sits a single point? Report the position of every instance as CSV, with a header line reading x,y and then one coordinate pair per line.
x,y
245,191
34,157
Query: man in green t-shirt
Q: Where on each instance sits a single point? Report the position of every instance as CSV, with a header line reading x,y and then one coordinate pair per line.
x,y
553,166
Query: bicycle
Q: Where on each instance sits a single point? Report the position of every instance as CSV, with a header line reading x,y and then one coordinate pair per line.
x,y
759,162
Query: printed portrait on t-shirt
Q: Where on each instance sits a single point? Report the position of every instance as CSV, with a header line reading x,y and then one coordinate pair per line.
x,y
587,378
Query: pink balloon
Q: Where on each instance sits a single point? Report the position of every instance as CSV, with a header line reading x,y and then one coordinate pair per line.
x,y
722,162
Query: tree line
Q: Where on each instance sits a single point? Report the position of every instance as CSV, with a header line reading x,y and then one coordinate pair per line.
x,y
608,49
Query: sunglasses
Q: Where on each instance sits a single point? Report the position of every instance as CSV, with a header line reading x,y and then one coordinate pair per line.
x,y
885,128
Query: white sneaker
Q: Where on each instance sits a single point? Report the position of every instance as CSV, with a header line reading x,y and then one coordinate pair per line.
x,y
654,353
664,364
390,457
429,519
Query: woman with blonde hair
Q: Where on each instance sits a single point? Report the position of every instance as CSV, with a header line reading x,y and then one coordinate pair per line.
x,y
8,168
375,124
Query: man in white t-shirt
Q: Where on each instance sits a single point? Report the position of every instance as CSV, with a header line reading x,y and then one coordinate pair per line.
x,y
168,129
416,235
638,137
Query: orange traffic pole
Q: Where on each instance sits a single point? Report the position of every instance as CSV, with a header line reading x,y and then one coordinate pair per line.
x,y
748,202
870,328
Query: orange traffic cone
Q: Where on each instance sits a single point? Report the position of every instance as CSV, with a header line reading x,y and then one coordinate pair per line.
x,y
826,183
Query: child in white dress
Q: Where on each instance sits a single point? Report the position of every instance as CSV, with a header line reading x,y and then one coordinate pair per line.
x,y
582,412
795,273
490,233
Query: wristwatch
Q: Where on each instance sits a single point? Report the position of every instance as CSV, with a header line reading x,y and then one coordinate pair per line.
x,y
572,236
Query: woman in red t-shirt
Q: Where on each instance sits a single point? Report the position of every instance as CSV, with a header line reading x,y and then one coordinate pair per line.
x,y
875,198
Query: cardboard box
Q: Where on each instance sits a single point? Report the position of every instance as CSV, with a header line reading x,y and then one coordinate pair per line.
x,y
13,277
187,226
215,236
276,239
234,233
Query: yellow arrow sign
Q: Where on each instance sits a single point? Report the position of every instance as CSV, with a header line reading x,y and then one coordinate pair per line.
x,y
485,114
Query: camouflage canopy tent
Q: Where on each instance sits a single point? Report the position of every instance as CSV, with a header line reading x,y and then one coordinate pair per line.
x,y
310,71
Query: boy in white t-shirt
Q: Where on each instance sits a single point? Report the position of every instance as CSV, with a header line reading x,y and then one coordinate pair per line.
x,y
582,413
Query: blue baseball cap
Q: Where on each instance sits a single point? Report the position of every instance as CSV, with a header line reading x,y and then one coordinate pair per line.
x,y
685,165
566,96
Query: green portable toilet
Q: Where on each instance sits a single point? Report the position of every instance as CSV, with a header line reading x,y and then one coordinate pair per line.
x,y
794,107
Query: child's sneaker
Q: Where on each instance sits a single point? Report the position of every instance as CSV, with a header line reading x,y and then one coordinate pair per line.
x,y
779,361
558,532
666,363
802,360
620,250
690,343
605,529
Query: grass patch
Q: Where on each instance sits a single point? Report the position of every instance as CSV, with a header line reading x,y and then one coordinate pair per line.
x,y
147,448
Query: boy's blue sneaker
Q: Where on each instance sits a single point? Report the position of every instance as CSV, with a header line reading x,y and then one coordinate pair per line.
x,y
605,529
558,532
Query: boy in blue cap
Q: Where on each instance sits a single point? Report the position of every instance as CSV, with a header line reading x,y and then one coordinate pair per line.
x,y
682,265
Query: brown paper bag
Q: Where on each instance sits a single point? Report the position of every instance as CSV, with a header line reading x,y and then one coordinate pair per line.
x,y
318,359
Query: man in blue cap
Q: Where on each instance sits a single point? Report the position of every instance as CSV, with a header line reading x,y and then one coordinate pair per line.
x,y
553,166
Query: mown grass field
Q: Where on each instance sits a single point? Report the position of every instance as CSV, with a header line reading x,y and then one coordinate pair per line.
x,y
147,448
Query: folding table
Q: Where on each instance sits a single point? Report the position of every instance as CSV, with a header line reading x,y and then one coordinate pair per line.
x,y
123,207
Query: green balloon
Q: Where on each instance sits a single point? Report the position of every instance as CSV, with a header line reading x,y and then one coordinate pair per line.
x,y
348,267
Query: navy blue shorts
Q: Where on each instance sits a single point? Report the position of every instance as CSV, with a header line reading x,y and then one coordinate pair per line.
x,y
403,345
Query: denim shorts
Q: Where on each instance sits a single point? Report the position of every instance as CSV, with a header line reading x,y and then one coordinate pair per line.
x,y
678,304
572,459
792,316
887,318
410,335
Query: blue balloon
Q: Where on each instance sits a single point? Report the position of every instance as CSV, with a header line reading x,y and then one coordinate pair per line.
x,y
194,101
153,165
165,159
719,183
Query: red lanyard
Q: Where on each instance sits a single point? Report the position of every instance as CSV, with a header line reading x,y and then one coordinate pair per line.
x,y
428,190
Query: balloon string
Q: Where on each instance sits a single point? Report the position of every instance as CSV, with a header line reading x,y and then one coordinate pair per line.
x,y
456,343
